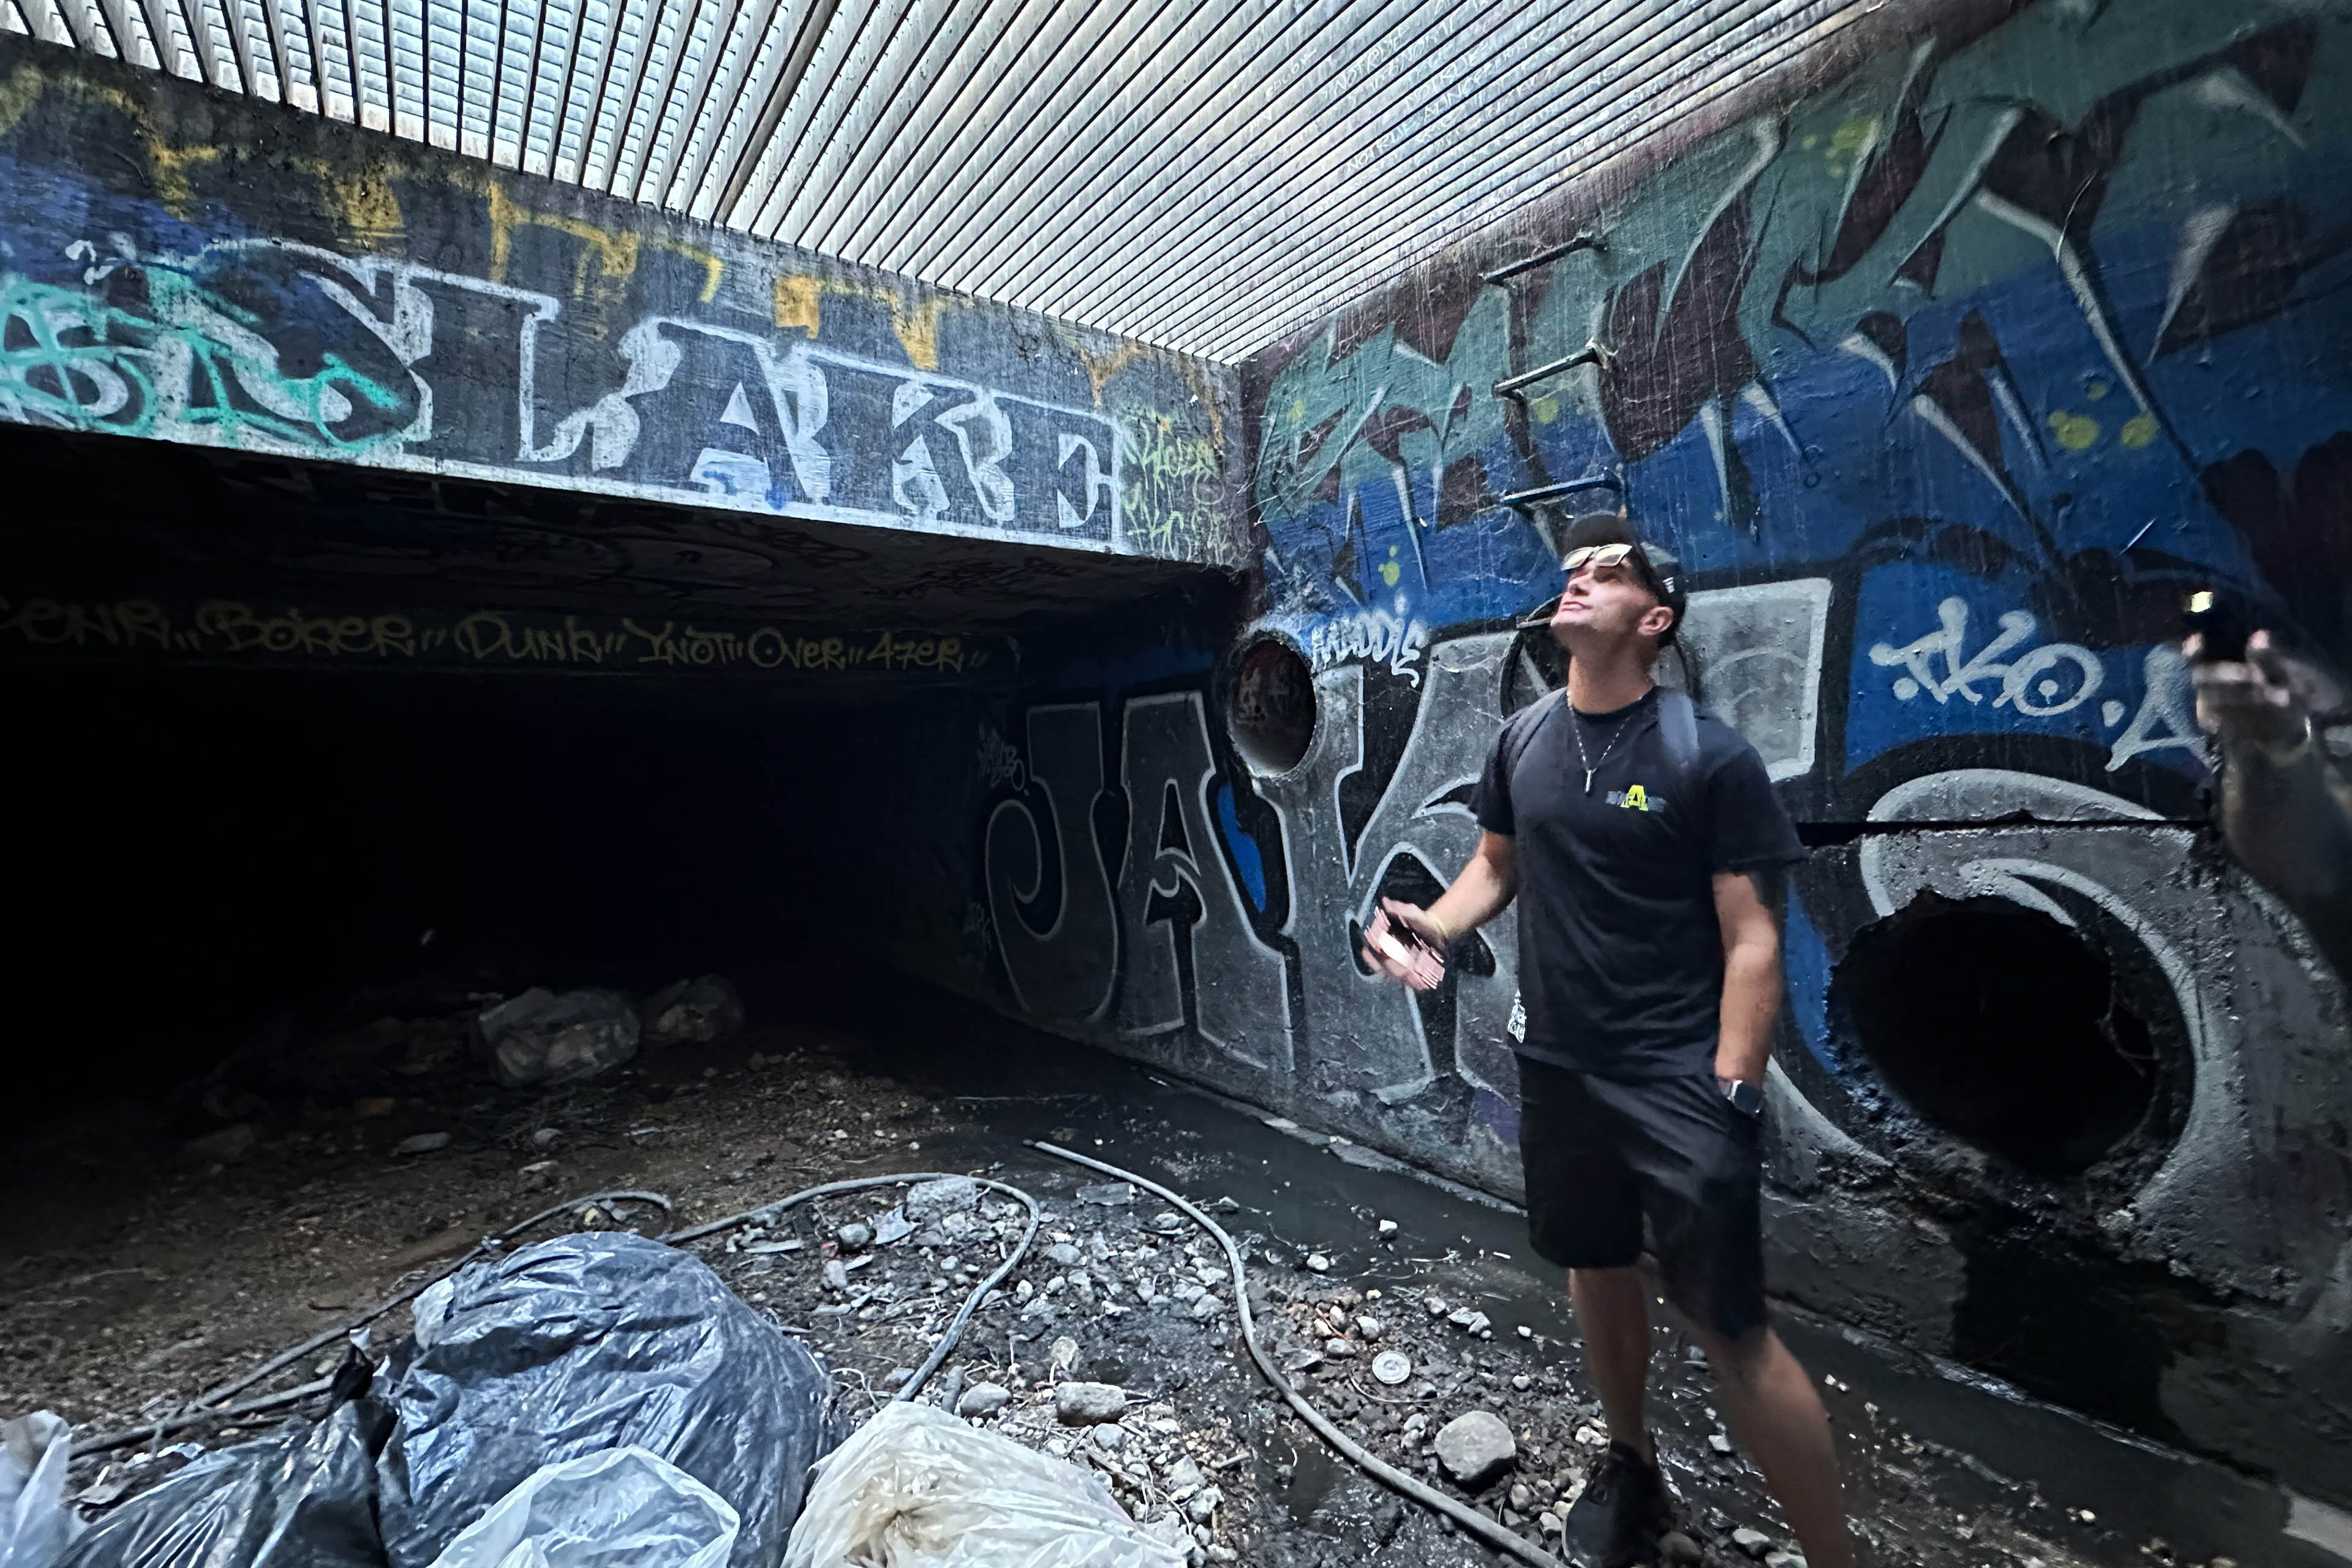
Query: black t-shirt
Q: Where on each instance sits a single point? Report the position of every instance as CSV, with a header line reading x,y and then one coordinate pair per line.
x,y
1620,956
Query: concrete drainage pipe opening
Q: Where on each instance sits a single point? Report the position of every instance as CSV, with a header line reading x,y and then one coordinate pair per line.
x,y
2001,1027
1272,716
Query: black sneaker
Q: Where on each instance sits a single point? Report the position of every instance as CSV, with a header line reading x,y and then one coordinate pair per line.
x,y
1617,1519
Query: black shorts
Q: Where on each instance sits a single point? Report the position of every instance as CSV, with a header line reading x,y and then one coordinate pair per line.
x,y
1600,1153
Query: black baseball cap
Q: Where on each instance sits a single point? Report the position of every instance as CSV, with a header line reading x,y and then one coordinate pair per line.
x,y
1659,566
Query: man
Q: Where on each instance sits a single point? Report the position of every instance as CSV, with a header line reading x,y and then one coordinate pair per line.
x,y
2286,779
1645,847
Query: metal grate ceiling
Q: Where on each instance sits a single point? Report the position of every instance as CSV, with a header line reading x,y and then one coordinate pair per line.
x,y
1201,173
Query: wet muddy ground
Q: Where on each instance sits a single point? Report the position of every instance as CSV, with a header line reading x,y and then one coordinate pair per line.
x,y
139,1272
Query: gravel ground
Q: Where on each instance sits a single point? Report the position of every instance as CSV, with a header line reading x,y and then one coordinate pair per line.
x,y
142,1268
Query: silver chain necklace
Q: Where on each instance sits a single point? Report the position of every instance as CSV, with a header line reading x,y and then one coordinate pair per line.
x,y
1576,728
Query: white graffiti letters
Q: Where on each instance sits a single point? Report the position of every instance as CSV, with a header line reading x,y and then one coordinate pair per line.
x,y
400,366
2041,683
1168,942
1372,635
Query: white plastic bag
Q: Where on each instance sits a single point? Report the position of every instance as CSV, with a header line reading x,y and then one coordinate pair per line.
x,y
917,1487
35,1522
622,1509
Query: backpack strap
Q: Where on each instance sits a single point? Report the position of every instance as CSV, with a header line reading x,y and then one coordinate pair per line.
x,y
1519,731
1678,731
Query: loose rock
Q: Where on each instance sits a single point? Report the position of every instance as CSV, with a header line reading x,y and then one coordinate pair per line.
x,y
856,1236
1753,1543
1110,1436
1086,1403
1475,1449
1679,1549
927,1201
983,1399
422,1144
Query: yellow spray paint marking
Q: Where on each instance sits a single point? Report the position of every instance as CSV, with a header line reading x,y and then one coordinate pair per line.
x,y
370,207
2094,389
799,302
1545,408
1391,569
2075,432
363,195
1100,368
614,255
26,86
1851,140
2137,431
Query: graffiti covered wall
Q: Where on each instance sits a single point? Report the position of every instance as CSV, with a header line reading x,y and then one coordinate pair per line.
x,y
187,265
1949,378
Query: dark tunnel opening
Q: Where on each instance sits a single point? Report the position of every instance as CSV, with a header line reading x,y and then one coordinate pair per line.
x,y
2003,1027
213,855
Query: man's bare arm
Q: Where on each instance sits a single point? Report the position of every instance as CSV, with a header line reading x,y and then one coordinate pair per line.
x,y
1485,887
1746,911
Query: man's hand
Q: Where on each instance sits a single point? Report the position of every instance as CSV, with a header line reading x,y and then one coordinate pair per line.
x,y
2268,699
1403,943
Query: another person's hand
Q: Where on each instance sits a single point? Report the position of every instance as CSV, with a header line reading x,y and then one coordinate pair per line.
x,y
1403,943
2269,698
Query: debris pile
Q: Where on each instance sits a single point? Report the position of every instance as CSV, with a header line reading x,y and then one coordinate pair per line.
x,y
1099,1334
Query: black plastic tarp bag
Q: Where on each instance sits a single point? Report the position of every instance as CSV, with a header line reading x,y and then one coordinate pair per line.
x,y
589,1342
302,1497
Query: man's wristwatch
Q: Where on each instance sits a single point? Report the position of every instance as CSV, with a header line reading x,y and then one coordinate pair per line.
x,y
1745,1097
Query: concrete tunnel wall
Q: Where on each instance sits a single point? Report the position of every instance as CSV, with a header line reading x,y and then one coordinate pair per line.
x,y
189,265
1949,365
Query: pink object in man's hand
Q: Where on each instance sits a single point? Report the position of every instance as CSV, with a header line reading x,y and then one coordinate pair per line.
x,y
1423,965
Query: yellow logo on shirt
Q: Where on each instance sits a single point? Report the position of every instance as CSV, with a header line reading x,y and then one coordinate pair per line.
x,y
1636,798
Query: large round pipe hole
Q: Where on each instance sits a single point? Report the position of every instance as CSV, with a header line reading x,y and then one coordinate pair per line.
x,y
1272,716
2001,1027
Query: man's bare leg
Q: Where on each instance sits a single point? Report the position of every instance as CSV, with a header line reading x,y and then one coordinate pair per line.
x,y
1612,1314
1773,1410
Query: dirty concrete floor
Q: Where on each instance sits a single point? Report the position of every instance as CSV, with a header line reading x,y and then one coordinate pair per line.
x,y
139,1273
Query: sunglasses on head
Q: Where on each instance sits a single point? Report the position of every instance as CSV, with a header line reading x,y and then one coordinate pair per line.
x,y
1577,560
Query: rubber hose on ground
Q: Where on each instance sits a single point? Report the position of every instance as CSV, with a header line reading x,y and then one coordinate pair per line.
x,y
1380,1470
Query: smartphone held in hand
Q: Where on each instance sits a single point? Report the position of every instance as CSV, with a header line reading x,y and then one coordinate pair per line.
x,y
1424,966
